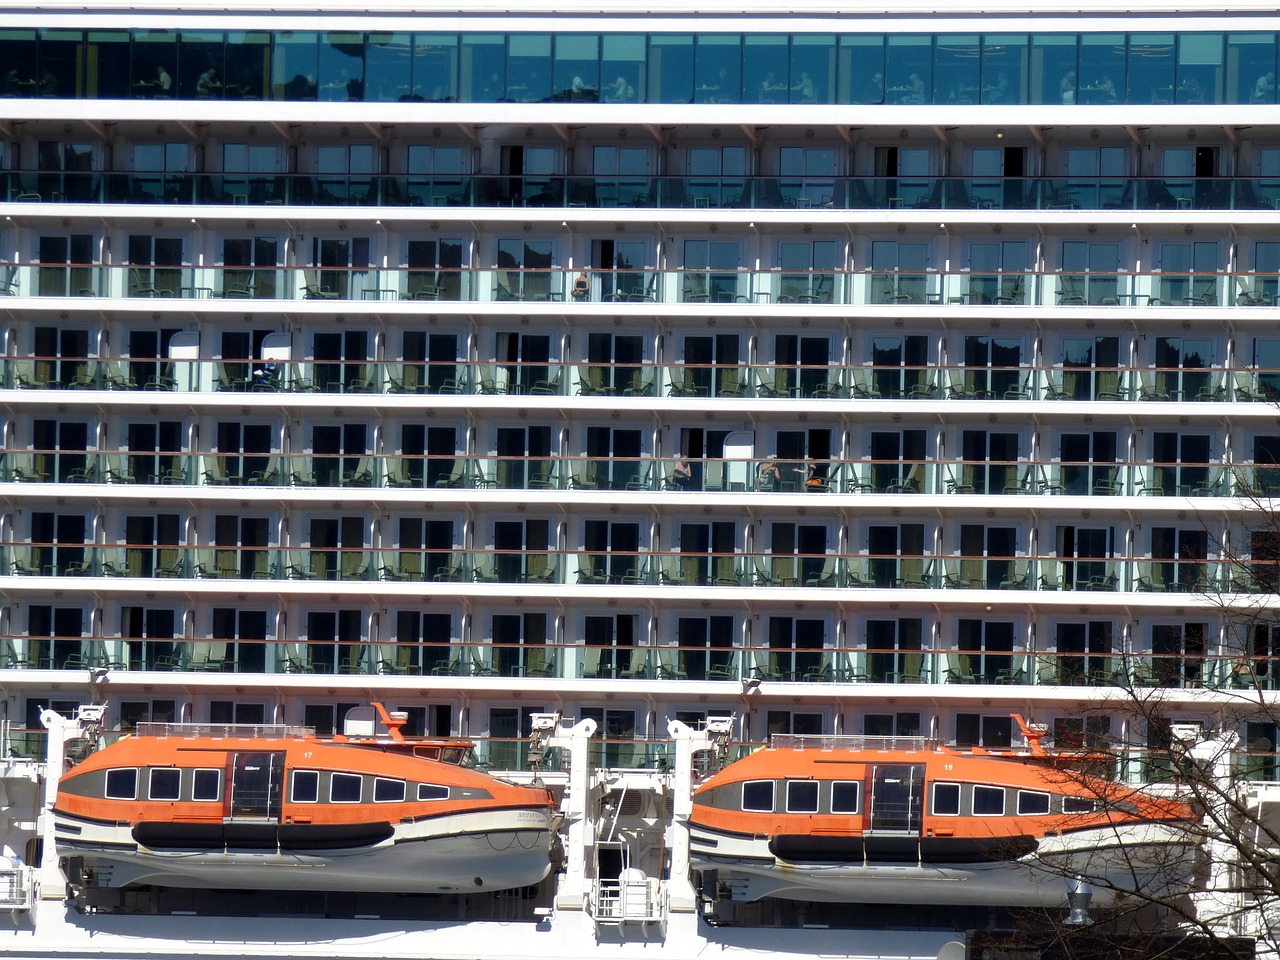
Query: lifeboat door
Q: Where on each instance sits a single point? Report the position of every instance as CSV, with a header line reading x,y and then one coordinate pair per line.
x,y
897,792
256,785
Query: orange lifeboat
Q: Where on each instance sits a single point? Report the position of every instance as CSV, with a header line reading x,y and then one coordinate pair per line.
x,y
905,820
280,808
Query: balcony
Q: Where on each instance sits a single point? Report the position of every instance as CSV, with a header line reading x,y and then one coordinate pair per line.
x,y
142,187
749,289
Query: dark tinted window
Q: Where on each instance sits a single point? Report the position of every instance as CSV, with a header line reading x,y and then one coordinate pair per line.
x,y
1031,804
988,801
122,784
388,791
345,788
166,784
845,796
758,795
802,796
205,784
946,799
306,786
429,791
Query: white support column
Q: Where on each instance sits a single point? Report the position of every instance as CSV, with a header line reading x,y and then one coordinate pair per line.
x,y
681,895
576,806
88,719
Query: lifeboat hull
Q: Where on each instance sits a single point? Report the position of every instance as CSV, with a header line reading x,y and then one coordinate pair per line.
x,y
457,853
1157,859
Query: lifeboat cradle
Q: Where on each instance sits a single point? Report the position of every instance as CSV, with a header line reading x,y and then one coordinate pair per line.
x,y
627,835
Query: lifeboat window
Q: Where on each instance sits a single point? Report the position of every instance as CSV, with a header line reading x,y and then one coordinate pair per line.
x,y
205,785
388,791
306,786
758,795
846,796
1032,803
345,788
1079,805
988,801
429,791
166,784
802,796
122,784
946,799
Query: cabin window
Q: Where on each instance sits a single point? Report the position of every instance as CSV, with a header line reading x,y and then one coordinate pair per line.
x,y
1079,805
166,784
429,791
122,784
758,795
306,786
946,799
345,788
205,784
1032,803
988,801
802,796
846,796
388,791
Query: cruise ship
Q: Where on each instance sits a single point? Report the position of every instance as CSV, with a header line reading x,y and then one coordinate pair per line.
x,y
592,372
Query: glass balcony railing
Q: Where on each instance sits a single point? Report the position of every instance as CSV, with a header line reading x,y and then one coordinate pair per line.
x,y
665,193
642,285
645,474
639,379
808,660
676,569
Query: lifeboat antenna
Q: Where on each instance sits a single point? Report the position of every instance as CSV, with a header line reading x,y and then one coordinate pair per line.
x,y
1033,733
392,721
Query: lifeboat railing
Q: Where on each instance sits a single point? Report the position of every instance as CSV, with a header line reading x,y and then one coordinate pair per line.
x,y
225,731
801,741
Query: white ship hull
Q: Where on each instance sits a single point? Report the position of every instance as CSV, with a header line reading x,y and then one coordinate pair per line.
x,y
1155,858
462,853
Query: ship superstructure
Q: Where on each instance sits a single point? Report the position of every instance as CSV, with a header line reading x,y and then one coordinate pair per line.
x,y
870,372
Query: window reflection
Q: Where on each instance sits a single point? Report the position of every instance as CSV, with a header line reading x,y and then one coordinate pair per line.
x,y
668,68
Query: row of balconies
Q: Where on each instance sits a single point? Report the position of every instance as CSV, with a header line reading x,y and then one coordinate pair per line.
x,y
860,569
557,378
696,192
690,284
1191,667
1022,477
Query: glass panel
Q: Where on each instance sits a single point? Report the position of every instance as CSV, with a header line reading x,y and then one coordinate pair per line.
x,y
577,67
623,68
435,68
18,54
483,68
1200,60
813,68
341,66
529,67
1053,69
861,60
201,66
248,65
671,69
108,68
955,60
62,66
909,70
1251,68
1004,69
765,69
1102,73
388,68
1151,68
294,65
717,72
